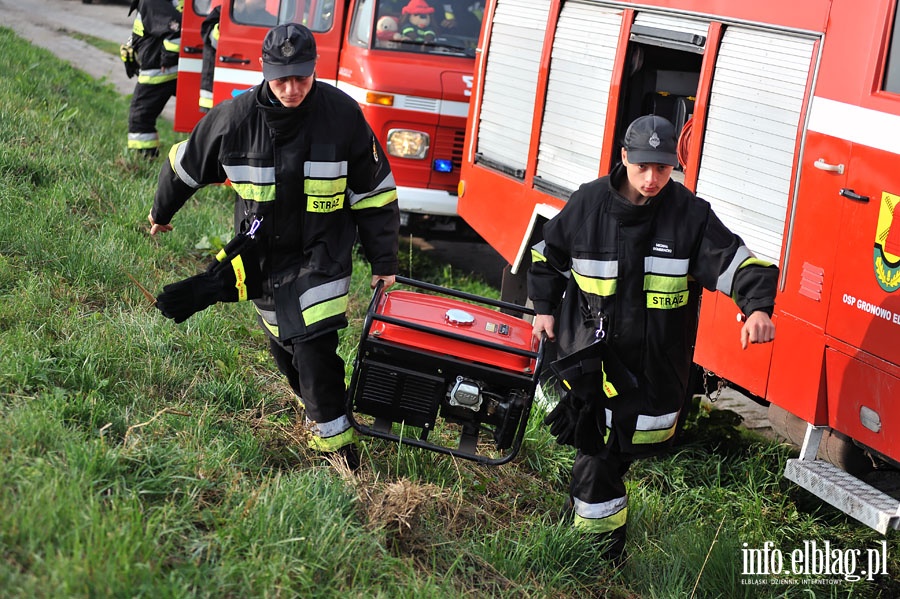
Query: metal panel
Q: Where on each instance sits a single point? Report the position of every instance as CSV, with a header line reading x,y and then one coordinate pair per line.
x,y
581,67
510,82
845,492
751,133
672,23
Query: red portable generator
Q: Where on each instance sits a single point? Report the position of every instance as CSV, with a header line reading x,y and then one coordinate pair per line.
x,y
445,375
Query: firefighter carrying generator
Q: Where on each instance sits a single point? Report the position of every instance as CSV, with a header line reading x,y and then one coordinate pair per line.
x,y
443,374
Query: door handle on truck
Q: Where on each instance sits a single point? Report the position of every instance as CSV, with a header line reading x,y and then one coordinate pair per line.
x,y
192,50
849,193
233,60
831,168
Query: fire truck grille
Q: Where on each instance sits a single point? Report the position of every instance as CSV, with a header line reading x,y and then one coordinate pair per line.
x,y
449,145
459,137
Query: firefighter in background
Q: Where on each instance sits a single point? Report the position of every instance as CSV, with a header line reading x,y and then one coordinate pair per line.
x,y
463,18
209,33
303,160
156,38
622,265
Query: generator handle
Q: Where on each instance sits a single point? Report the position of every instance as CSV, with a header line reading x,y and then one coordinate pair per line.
x,y
464,295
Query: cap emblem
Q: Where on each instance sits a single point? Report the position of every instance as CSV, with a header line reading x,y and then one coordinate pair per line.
x,y
654,140
287,49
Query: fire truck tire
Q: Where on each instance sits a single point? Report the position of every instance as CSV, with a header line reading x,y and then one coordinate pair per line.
x,y
835,447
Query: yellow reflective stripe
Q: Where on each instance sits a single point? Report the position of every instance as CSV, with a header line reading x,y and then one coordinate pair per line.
x,y
326,309
153,78
667,301
665,284
325,187
376,201
754,262
141,141
332,443
172,46
602,524
324,205
256,193
173,153
536,256
138,26
601,287
206,99
647,437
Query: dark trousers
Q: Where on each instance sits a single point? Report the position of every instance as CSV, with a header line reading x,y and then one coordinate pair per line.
x,y
316,374
600,497
147,104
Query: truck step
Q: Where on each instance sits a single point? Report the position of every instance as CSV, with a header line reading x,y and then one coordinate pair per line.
x,y
846,492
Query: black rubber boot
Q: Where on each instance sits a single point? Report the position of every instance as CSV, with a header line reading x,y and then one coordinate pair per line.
x,y
350,455
612,546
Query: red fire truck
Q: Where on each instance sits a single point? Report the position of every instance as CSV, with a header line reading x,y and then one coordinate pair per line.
x,y
789,115
414,92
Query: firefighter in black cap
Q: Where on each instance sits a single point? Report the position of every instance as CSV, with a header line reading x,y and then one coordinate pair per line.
x,y
622,264
156,40
305,164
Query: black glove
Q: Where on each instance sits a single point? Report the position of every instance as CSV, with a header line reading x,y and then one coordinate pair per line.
x,y
563,418
590,427
180,300
234,276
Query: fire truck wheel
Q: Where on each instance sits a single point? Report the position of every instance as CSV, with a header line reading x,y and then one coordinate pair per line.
x,y
835,447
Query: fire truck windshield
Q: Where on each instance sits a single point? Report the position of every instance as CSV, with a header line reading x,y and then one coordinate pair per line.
x,y
419,26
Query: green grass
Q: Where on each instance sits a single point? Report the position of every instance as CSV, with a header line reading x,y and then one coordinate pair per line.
x,y
145,459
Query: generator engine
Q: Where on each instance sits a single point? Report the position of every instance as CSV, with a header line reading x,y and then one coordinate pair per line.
x,y
451,376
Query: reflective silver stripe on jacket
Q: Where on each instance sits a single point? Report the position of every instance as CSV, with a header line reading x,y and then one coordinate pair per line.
x,y
325,292
384,185
726,279
268,316
325,170
655,423
244,173
175,160
666,266
597,269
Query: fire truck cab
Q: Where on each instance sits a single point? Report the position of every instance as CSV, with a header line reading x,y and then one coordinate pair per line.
x,y
789,116
414,91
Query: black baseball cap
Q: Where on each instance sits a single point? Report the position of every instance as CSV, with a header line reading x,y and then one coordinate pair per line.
x,y
650,139
289,50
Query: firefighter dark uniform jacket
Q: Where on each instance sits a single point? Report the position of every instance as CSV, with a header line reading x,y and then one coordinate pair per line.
x,y
317,177
638,271
156,37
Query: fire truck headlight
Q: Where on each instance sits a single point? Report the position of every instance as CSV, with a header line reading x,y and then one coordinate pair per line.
x,y
405,143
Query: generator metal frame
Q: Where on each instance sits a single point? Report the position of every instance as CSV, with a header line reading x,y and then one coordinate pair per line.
x,y
440,372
